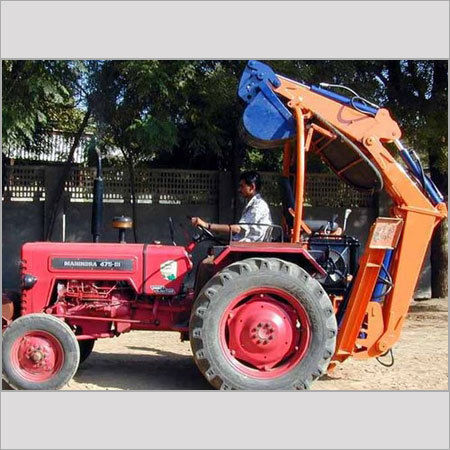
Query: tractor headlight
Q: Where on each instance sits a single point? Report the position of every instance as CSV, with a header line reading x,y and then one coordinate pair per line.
x,y
28,281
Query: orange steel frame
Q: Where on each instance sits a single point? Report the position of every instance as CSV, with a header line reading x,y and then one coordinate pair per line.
x,y
409,231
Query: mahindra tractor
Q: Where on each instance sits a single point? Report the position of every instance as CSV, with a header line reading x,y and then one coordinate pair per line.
x,y
275,314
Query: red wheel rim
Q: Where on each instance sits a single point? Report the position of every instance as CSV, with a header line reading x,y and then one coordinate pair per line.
x,y
265,332
37,356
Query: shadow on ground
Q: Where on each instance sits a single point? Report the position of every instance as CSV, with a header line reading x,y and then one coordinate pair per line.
x,y
165,370
161,370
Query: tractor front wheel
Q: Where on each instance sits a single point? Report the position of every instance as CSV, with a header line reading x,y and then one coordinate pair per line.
x,y
39,352
262,323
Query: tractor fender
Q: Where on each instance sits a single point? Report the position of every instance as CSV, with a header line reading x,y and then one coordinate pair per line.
x,y
290,252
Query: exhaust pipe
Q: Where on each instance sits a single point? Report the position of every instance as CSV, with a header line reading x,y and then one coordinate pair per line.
x,y
97,204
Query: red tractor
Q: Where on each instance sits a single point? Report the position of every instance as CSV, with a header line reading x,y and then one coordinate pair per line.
x,y
273,315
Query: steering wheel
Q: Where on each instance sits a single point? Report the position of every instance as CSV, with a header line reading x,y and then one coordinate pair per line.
x,y
206,232
204,235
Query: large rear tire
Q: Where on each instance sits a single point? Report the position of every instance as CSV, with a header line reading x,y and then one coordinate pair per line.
x,y
262,323
39,352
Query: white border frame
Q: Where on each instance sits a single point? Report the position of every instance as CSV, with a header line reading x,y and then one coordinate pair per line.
x,y
225,30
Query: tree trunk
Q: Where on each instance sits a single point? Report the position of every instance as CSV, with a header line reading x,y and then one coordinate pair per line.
x,y
439,242
57,196
5,164
238,159
439,261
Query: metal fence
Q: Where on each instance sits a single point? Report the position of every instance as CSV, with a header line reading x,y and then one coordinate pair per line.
x,y
321,190
171,186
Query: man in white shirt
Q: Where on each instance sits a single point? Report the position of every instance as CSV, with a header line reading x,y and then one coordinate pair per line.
x,y
255,212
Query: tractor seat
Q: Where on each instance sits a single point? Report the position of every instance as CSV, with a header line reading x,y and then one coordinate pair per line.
x,y
322,225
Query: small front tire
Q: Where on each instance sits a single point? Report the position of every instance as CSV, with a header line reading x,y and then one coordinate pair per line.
x,y
40,352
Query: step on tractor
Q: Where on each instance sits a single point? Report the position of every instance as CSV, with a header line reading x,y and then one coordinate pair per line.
x,y
275,314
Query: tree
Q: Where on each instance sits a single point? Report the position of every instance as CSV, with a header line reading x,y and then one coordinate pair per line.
x,y
209,115
131,104
38,96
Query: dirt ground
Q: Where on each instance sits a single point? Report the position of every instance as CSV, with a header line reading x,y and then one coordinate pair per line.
x,y
158,360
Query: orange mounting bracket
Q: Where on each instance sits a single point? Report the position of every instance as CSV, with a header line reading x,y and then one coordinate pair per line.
x,y
384,235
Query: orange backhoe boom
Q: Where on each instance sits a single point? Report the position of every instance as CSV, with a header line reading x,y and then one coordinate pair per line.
x,y
367,328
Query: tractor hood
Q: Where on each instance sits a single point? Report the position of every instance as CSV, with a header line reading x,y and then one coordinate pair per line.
x,y
151,269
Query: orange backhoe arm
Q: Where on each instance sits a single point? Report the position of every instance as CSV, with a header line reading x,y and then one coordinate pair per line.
x,y
368,328
409,233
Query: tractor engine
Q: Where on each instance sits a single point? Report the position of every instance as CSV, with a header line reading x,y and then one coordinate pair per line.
x,y
81,302
97,299
97,309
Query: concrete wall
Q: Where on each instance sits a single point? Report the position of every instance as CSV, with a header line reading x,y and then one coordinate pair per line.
x,y
21,222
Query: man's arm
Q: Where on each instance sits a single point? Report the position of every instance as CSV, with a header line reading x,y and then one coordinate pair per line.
x,y
216,227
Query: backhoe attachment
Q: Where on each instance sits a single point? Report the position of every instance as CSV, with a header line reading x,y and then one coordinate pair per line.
x,y
349,135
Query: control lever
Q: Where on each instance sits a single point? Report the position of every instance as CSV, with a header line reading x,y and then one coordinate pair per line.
x,y
172,231
348,211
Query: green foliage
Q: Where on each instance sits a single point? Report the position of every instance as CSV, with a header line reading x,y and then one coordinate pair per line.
x,y
417,94
38,96
131,103
266,160
207,114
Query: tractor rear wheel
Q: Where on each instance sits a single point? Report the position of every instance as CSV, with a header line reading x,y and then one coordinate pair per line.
x,y
39,352
262,323
86,347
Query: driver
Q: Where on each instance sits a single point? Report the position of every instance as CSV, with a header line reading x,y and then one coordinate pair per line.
x,y
256,212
